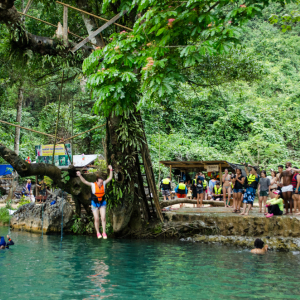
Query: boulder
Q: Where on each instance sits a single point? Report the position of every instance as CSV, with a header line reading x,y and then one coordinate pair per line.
x,y
29,216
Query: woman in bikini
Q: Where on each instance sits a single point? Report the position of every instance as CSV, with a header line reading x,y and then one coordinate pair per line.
x,y
273,186
226,179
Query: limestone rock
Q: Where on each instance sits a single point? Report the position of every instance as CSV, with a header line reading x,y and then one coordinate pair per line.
x,y
29,217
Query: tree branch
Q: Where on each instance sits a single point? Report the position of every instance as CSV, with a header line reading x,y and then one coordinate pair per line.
x,y
25,40
25,169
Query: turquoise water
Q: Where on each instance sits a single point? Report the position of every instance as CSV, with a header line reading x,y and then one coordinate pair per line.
x,y
87,268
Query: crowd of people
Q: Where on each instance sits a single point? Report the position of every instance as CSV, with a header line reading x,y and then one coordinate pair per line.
x,y
282,188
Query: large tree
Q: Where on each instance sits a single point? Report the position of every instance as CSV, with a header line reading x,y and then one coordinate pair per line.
x,y
172,43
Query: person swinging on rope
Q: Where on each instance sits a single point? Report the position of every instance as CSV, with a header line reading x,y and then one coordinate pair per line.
x,y
98,201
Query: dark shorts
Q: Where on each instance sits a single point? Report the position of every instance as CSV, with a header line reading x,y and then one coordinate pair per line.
x,y
235,191
199,191
263,193
43,192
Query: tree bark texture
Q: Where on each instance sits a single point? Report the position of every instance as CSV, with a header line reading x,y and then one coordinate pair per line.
x,y
126,211
18,120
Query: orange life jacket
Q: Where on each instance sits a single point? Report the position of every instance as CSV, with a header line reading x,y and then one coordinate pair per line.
x,y
99,192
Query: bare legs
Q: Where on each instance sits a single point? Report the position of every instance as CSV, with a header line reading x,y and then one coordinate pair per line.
x,y
96,220
248,206
224,195
239,200
103,219
229,195
296,198
235,195
288,202
262,203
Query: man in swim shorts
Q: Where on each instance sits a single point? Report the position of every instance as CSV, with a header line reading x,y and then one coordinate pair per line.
x,y
287,187
98,201
251,182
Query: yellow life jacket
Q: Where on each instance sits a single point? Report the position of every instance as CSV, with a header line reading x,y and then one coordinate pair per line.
x,y
181,188
204,184
166,184
217,191
251,181
166,181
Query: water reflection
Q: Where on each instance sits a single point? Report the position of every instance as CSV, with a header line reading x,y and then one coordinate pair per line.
x,y
87,268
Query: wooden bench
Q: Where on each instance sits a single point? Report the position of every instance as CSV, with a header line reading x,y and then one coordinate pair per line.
x,y
41,198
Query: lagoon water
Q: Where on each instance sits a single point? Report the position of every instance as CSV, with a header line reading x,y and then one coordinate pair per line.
x,y
86,268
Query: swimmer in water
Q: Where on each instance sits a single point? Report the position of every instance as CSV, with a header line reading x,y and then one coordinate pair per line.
x,y
259,247
3,244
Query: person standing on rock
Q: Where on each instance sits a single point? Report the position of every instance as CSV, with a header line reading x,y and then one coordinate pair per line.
x,y
252,181
98,201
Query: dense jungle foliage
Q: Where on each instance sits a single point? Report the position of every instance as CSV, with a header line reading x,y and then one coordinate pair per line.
x,y
254,120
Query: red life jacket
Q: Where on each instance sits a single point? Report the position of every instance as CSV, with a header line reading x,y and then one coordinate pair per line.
x,y
99,192
294,180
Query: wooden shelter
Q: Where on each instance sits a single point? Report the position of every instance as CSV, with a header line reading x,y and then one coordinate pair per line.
x,y
216,166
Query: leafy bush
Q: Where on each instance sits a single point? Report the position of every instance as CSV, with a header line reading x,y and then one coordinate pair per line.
x,y
4,215
24,200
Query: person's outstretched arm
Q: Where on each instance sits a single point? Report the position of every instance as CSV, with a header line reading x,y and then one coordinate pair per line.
x,y
82,179
246,169
10,242
110,175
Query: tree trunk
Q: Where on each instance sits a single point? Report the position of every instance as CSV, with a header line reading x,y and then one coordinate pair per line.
x,y
18,120
125,202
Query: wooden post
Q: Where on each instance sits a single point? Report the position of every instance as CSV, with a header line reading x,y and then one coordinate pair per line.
x,y
65,26
220,174
171,172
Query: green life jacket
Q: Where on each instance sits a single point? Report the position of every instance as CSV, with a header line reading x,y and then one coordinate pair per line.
x,y
217,191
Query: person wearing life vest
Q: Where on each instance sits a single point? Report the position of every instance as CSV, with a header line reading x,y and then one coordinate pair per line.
x,y
217,192
205,185
199,188
181,189
98,202
165,186
5,245
296,186
194,189
251,182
